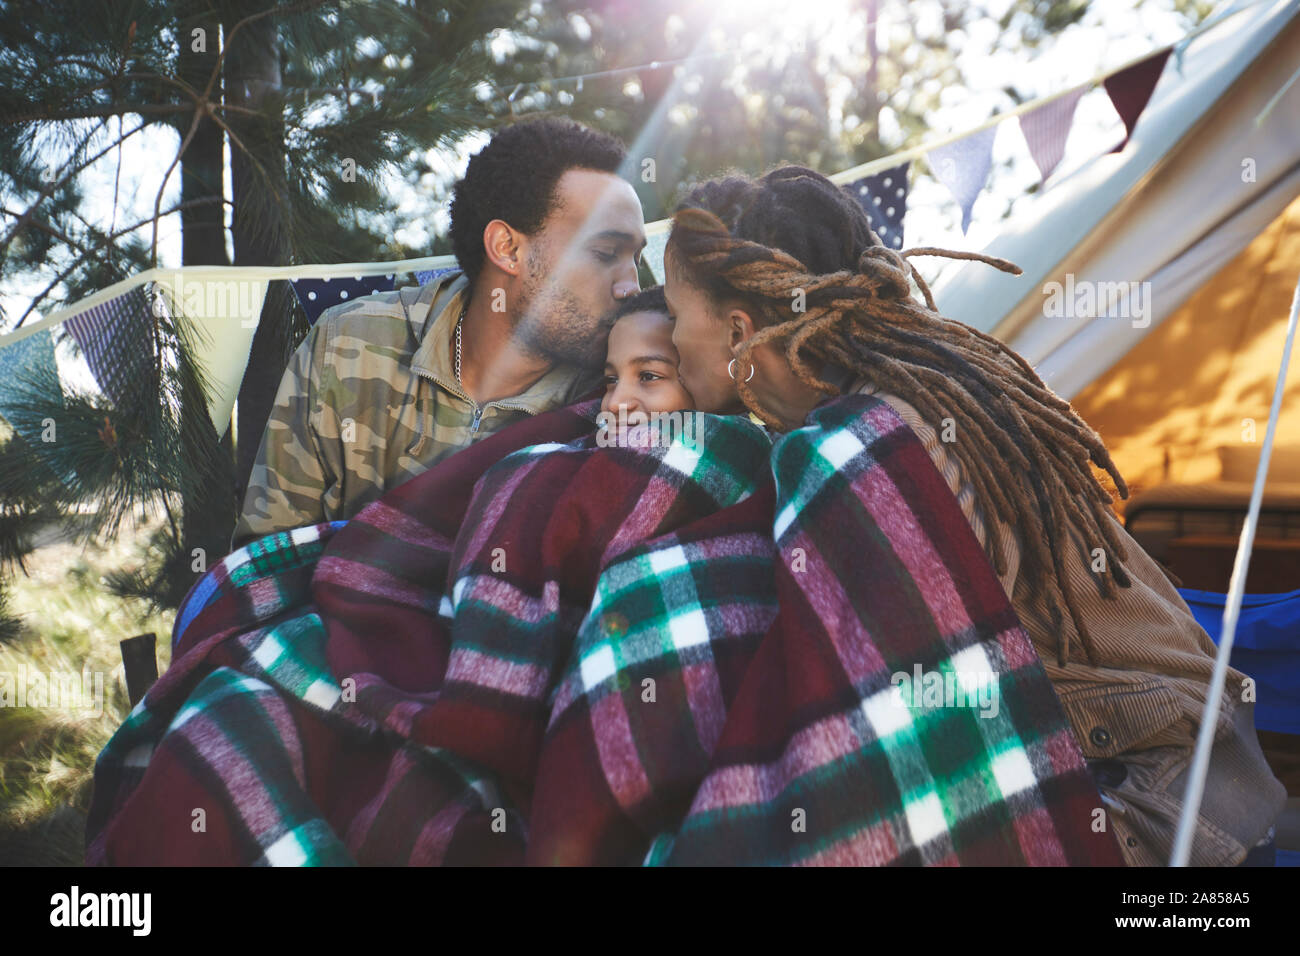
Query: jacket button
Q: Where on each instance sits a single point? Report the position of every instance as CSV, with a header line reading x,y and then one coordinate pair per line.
x,y
1108,773
1100,737
1132,841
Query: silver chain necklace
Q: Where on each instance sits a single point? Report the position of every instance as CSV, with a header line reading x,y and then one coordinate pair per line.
x,y
458,325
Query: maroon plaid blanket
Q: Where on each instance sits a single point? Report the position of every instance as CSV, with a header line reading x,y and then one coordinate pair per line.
x,y
708,650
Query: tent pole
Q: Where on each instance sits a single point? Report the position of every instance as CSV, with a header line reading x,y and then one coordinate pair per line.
x,y
1231,610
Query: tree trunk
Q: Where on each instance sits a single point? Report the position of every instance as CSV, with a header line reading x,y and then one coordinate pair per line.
x,y
259,225
203,227
209,505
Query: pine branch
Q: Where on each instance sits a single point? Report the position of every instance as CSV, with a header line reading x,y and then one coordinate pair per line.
x,y
107,240
9,236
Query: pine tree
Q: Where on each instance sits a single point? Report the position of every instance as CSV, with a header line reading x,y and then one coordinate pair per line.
x,y
316,102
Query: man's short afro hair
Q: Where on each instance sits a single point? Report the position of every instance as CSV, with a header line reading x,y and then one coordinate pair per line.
x,y
513,179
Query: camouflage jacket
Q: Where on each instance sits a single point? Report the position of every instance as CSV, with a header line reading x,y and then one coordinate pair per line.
x,y
370,399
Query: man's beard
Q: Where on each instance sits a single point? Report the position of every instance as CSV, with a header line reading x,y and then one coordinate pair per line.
x,y
554,324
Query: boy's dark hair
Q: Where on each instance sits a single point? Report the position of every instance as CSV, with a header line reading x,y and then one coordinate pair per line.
x,y
513,178
647,300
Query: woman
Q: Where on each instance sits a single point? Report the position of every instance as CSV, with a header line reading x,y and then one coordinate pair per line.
x,y
782,296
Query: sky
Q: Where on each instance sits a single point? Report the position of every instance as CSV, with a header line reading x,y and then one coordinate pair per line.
x,y
1112,32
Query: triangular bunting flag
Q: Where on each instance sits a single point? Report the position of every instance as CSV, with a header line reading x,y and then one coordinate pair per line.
x,y
963,167
425,276
653,254
317,295
25,366
224,314
884,197
116,337
1130,90
1047,128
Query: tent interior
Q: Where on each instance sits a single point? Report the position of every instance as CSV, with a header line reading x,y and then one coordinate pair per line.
x,y
1187,245
1183,415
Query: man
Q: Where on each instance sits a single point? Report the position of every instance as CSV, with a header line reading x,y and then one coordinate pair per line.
x,y
548,238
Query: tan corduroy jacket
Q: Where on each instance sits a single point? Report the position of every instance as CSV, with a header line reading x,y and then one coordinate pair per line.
x,y
1136,710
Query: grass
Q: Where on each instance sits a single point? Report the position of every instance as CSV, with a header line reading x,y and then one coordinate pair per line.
x,y
71,627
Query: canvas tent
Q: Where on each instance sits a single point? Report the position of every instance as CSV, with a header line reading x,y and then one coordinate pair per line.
x,y
1188,243
1202,207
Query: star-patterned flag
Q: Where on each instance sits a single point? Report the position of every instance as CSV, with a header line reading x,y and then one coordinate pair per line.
x,y
884,197
963,166
116,339
425,276
317,295
1047,128
1130,90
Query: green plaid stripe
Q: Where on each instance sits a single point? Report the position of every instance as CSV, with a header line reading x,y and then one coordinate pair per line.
x,y
292,656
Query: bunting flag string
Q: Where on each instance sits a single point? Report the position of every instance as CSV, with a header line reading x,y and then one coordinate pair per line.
x,y
656,241
962,163
224,312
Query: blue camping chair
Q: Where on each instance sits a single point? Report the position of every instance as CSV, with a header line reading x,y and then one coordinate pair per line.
x,y
1267,648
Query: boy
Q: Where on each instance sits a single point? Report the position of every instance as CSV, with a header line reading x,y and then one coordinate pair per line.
x,y
641,377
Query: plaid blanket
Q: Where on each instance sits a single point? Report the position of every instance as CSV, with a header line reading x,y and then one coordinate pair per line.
x,y
703,650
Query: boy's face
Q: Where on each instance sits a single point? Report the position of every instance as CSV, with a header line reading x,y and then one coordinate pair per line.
x,y
641,368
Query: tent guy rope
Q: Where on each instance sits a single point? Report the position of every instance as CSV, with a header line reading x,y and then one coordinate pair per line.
x,y
1231,611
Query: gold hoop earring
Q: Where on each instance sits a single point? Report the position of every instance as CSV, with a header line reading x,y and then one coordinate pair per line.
x,y
731,371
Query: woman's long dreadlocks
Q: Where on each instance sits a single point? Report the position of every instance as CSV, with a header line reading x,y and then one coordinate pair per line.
x,y
1025,450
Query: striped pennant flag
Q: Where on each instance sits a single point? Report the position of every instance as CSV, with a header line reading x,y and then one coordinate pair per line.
x,y
116,338
1047,128
884,197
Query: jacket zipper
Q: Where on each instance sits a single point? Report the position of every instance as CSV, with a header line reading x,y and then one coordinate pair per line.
x,y
477,421
478,412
